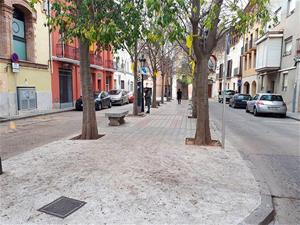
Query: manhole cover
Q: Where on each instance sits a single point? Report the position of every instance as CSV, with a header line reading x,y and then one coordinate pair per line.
x,y
62,207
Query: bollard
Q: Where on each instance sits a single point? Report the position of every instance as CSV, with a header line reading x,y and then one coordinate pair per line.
x,y
1,171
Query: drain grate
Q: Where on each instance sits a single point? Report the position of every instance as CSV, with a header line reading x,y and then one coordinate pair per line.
x,y
62,207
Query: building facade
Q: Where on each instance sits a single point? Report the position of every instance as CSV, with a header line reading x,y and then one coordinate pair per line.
x,y
278,54
66,87
123,75
27,87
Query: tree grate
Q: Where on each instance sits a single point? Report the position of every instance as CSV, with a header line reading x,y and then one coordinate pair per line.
x,y
62,207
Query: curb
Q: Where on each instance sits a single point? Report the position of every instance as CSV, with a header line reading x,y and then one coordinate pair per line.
x,y
293,118
34,115
265,212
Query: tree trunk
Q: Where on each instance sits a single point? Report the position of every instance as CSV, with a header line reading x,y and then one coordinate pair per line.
x,y
154,93
89,123
135,60
194,98
202,135
162,87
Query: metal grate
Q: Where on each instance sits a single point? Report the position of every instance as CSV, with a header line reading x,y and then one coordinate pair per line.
x,y
62,207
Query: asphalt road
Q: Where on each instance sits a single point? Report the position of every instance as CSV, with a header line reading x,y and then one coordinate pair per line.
x,y
36,131
273,146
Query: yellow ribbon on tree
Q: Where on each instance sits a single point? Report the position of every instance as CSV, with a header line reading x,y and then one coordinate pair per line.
x,y
192,63
189,43
132,67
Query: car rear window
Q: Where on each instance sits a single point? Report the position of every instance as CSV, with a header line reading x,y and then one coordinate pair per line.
x,y
243,97
271,98
230,92
114,92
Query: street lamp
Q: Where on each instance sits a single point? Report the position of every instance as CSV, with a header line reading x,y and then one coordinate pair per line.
x,y
142,64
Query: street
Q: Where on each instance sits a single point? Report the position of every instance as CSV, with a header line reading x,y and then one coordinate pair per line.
x,y
34,132
273,146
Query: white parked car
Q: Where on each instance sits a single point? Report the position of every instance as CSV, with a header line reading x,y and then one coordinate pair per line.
x,y
266,103
118,97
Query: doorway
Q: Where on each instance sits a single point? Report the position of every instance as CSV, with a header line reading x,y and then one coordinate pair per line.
x,y
65,89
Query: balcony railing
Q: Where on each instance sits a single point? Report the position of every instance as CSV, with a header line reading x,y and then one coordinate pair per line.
x,y
298,47
108,63
67,51
96,60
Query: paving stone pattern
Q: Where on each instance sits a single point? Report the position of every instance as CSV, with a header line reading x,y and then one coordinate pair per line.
x,y
138,173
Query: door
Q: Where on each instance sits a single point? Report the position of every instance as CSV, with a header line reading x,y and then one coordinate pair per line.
x,y
65,88
209,90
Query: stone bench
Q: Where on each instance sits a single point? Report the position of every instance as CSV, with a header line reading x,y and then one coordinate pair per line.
x,y
116,118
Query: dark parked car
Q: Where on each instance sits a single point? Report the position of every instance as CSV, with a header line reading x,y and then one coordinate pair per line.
x,y
239,101
102,100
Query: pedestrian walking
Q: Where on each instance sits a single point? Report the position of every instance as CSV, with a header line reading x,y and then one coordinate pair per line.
x,y
148,99
179,96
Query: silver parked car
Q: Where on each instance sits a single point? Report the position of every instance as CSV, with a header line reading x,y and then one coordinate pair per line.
x,y
267,103
118,97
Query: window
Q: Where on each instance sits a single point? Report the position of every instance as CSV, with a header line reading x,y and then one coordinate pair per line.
x,y
256,34
250,61
256,97
262,82
19,38
115,84
271,98
131,86
122,84
221,71
233,86
277,18
288,44
291,6
229,68
284,81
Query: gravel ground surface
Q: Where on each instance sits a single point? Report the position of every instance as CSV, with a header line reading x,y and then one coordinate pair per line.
x,y
138,173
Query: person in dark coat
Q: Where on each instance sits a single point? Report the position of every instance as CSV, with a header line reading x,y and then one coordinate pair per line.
x,y
148,99
179,96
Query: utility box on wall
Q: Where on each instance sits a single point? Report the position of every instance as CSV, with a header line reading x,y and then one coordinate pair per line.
x,y
27,99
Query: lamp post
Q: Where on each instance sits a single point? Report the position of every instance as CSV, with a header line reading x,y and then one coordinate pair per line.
x,y
142,63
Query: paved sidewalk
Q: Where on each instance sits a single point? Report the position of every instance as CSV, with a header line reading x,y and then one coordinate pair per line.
x,y
295,115
139,173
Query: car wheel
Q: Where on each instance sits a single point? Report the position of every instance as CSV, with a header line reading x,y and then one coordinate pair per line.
x,y
97,106
283,115
255,113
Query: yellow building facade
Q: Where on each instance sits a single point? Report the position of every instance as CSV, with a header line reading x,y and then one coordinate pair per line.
x,y
27,89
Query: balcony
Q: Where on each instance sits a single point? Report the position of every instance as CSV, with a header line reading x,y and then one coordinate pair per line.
x,y
268,55
108,64
67,51
95,59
